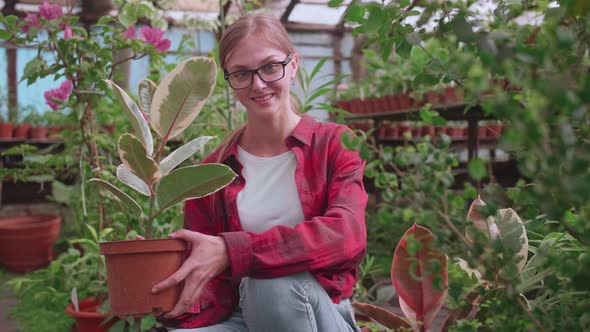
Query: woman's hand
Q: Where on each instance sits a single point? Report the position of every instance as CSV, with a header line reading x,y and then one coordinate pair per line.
x,y
208,258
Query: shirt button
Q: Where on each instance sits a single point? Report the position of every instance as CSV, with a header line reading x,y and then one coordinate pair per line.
x,y
237,181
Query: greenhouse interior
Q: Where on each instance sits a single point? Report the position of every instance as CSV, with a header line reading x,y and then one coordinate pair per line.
x,y
416,165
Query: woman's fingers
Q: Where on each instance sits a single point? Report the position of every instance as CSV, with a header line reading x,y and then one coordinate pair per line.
x,y
176,278
190,295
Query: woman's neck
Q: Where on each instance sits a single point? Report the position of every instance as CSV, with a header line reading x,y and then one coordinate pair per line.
x,y
266,137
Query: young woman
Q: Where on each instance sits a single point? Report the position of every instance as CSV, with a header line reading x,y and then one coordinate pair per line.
x,y
279,248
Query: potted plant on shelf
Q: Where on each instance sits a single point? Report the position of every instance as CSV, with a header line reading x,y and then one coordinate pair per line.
x,y
5,126
133,267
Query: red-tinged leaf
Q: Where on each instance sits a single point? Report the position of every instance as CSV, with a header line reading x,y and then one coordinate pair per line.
x,y
421,279
382,316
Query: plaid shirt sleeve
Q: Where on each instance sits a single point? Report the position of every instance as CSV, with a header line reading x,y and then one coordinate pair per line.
x,y
334,240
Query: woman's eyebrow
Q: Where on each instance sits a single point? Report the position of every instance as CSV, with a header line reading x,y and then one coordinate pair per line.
x,y
268,60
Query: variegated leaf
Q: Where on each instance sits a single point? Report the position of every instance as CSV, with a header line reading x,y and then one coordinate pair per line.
x,y
129,203
135,117
182,153
181,96
145,91
133,155
127,177
192,182
513,235
482,224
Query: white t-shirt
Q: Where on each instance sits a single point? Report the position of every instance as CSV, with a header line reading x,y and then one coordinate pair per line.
x,y
269,197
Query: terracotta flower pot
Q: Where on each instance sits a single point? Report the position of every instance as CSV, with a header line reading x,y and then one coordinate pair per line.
x,y
26,242
39,133
22,130
134,267
6,129
494,130
88,319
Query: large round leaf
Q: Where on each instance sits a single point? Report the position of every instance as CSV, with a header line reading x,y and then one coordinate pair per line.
x,y
133,155
181,95
192,182
135,116
419,274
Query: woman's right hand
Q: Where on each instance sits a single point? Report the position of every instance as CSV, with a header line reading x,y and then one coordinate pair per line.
x,y
208,258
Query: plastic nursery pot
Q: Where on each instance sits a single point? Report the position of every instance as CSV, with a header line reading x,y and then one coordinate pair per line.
x,y
134,267
88,319
6,129
26,242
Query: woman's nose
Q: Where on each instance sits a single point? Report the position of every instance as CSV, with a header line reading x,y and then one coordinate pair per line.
x,y
257,81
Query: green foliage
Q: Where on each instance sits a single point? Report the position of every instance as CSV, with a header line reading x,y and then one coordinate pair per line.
x,y
533,77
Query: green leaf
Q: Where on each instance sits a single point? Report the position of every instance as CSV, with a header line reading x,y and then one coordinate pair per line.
x,y
335,3
147,322
129,203
192,182
33,67
375,21
145,91
105,20
5,34
135,117
183,153
92,232
414,38
477,169
355,14
181,96
127,177
133,155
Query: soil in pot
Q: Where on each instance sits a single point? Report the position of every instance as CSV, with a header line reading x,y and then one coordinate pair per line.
x,y
88,319
26,242
134,267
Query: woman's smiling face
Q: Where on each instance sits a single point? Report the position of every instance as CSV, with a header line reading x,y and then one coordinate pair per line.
x,y
262,97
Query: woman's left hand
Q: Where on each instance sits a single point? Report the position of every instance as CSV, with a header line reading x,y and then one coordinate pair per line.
x,y
208,258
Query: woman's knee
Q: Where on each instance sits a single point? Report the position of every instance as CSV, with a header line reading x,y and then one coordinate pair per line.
x,y
282,290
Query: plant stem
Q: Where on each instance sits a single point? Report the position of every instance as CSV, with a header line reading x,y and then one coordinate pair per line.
x,y
530,314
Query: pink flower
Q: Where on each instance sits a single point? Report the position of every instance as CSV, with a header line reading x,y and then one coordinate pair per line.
x,y
67,31
56,97
129,33
34,22
50,12
154,37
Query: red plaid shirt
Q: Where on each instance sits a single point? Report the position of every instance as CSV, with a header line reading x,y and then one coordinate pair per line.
x,y
330,243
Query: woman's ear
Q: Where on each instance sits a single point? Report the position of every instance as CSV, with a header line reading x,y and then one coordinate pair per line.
x,y
294,66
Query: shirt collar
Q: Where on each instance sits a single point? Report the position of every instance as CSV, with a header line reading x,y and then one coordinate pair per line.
x,y
302,133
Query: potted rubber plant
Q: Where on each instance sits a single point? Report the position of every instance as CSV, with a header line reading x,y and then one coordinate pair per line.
x,y
133,267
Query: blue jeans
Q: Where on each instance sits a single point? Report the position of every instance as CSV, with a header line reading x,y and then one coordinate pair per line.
x,y
293,303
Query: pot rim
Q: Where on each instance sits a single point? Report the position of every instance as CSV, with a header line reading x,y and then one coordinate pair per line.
x,y
89,302
141,246
30,221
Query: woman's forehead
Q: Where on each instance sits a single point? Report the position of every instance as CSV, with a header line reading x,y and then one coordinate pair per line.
x,y
253,54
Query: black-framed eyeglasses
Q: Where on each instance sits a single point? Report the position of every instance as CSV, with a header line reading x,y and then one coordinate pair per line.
x,y
269,73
